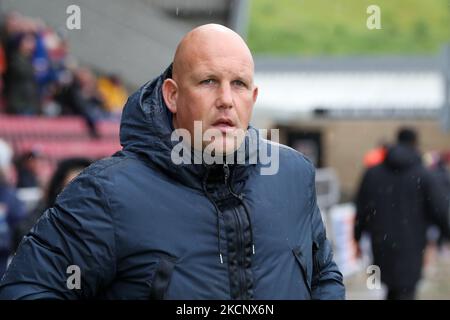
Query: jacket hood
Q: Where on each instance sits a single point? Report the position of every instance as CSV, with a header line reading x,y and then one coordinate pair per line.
x,y
402,157
146,129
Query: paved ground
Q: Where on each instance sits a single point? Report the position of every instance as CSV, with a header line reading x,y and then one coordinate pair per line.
x,y
435,284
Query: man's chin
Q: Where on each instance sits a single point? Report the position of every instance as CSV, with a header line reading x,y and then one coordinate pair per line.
x,y
223,146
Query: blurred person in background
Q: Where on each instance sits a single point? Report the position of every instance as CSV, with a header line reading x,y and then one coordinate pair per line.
x,y
12,211
21,90
395,203
437,165
438,168
79,96
66,171
12,26
15,25
42,64
113,93
377,155
27,166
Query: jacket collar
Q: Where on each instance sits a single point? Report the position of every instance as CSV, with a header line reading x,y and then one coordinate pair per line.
x,y
146,129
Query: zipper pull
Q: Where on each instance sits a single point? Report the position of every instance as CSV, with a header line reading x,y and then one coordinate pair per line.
x,y
226,172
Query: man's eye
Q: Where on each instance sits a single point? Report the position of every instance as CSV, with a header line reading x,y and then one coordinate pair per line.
x,y
239,83
207,81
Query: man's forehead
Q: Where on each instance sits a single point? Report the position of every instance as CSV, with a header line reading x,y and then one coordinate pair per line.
x,y
221,65
210,49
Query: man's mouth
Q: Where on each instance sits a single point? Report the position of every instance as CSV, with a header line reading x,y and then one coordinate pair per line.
x,y
224,125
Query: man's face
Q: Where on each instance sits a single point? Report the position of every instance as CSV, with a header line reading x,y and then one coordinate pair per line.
x,y
216,87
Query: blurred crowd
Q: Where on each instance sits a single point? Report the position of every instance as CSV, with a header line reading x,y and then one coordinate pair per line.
x,y
39,76
17,216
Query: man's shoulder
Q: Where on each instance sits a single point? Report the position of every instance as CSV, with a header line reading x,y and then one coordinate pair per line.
x,y
105,166
106,171
104,179
291,160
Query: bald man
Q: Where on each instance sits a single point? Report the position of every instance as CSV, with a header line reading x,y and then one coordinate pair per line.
x,y
159,220
212,82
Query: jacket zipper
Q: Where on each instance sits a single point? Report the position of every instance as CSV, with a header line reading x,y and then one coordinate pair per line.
x,y
241,257
240,244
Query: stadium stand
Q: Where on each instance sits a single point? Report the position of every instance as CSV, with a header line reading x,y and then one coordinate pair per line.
x,y
58,138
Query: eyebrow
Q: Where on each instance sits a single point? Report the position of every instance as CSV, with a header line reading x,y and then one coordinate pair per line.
x,y
209,75
244,79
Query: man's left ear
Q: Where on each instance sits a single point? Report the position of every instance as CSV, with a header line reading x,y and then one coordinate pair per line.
x,y
170,94
255,94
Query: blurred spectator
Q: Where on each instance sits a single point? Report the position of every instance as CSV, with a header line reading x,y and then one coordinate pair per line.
x,y
12,26
57,45
67,170
439,170
113,93
27,166
395,203
44,73
80,97
41,78
20,84
12,211
436,164
376,156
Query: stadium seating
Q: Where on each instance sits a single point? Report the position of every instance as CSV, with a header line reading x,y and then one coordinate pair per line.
x,y
58,138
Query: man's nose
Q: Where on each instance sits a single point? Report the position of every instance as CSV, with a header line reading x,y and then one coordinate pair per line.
x,y
225,97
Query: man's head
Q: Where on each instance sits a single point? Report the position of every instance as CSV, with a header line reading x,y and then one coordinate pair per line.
x,y
407,136
212,82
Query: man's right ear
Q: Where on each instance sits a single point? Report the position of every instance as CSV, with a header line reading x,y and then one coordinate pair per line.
x,y
170,94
